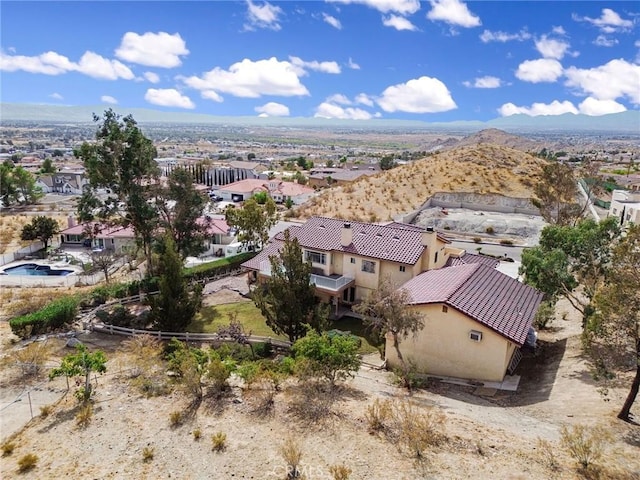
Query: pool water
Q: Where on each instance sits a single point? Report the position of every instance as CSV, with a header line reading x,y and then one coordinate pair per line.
x,y
36,270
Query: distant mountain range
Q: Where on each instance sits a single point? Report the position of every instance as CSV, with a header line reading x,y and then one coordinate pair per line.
x,y
625,122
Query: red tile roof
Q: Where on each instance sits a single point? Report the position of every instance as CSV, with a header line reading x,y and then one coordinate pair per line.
x,y
482,293
468,258
381,242
105,231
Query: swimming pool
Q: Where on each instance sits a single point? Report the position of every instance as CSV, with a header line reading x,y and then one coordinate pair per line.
x,y
36,270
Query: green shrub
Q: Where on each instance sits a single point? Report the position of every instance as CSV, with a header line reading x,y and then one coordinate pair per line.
x,y
506,241
57,313
489,230
8,448
477,239
263,350
117,315
218,267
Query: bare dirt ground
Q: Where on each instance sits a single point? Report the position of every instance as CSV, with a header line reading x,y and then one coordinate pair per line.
x,y
487,436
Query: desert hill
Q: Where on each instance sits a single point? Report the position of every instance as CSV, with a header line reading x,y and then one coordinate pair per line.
x,y
481,168
495,136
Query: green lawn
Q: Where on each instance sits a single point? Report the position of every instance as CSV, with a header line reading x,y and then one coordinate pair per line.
x,y
355,326
210,318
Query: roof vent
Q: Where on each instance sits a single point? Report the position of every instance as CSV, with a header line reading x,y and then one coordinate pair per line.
x,y
429,229
322,227
347,225
395,237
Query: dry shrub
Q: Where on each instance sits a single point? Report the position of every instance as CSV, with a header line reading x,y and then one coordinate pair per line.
x,y
340,472
27,462
547,455
45,410
148,454
84,415
292,455
142,355
8,448
411,428
312,403
176,418
197,434
378,414
585,444
262,396
219,441
32,358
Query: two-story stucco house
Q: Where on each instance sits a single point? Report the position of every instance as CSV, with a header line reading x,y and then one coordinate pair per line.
x,y
626,206
476,318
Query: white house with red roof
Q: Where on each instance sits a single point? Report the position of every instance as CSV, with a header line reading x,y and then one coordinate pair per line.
x,y
97,235
278,190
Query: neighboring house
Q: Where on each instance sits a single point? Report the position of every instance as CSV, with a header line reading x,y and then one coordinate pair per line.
x,y
625,205
476,319
115,238
219,235
278,190
231,172
67,183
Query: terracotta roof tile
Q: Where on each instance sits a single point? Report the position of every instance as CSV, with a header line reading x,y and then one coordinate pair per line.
x,y
468,258
483,293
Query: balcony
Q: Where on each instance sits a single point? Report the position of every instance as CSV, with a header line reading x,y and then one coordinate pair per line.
x,y
332,283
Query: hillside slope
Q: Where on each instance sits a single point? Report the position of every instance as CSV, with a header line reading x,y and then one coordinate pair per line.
x,y
481,168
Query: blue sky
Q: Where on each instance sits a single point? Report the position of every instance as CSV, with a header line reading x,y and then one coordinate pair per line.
x,y
436,60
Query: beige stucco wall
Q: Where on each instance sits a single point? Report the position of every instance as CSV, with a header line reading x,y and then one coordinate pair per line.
x,y
443,347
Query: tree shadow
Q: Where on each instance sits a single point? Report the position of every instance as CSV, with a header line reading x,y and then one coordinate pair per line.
x,y
205,317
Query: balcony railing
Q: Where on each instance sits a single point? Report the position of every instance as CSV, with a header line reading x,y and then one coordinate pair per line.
x,y
333,283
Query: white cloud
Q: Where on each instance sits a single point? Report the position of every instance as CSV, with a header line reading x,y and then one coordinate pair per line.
x,y
48,63
594,107
52,63
364,99
273,109
353,65
553,108
484,82
96,66
339,99
263,16
108,99
152,77
399,23
211,95
559,30
540,70
608,22
615,79
152,49
453,12
330,110
503,37
251,79
325,67
56,96
551,48
420,95
604,41
403,7
168,97
333,21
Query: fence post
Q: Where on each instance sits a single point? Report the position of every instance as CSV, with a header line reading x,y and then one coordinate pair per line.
x,y
30,407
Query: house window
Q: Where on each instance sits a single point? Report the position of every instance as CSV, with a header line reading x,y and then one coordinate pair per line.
x,y
316,257
368,266
353,260
445,309
435,260
475,335
402,269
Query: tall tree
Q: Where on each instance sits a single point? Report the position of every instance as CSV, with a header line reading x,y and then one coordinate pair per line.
x,y
557,194
121,161
253,221
18,185
287,299
177,303
614,330
41,228
386,311
568,257
48,167
7,186
180,206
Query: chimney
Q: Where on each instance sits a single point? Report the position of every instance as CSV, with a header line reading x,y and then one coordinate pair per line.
x,y
346,235
71,221
429,238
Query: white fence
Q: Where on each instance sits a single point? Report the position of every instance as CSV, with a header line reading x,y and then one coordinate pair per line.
x,y
20,254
